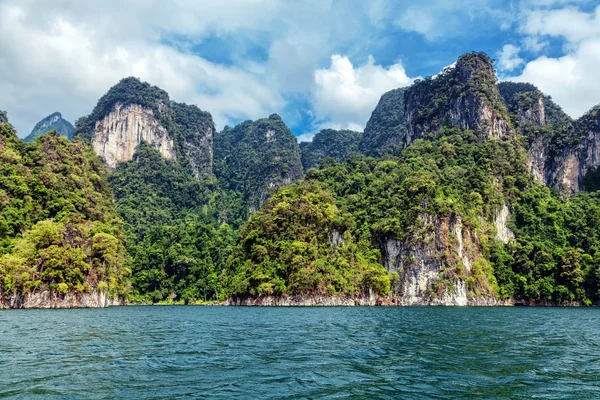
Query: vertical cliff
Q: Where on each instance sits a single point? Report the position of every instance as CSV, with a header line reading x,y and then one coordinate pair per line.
x,y
561,151
132,112
257,157
439,264
117,136
463,96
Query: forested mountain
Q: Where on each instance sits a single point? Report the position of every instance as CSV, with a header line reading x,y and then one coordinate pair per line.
x,y
329,143
461,190
254,159
59,230
53,122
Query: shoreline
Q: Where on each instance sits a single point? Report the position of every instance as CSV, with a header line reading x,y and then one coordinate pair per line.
x,y
47,300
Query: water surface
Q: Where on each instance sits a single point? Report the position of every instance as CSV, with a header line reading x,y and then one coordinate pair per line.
x,y
229,352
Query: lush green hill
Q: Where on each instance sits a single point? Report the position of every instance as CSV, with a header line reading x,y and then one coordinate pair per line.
x,y
59,230
53,122
329,143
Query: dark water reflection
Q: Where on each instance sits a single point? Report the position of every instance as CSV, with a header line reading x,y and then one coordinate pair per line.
x,y
219,352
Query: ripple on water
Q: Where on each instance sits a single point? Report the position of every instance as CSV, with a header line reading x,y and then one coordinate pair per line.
x,y
219,352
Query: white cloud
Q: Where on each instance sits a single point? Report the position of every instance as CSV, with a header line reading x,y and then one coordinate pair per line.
x,y
306,137
571,79
346,95
63,55
570,23
508,58
533,44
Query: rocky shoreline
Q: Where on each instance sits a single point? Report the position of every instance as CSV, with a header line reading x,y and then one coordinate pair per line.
x,y
47,299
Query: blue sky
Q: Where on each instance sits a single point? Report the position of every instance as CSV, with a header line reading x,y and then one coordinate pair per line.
x,y
317,63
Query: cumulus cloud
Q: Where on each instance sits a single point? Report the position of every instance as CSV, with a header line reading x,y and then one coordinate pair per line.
x,y
571,79
508,58
345,95
63,55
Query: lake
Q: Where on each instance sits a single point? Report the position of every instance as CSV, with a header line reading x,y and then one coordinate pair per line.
x,y
177,352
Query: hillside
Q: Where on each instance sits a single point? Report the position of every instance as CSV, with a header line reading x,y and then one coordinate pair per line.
x,y
61,239
53,122
461,190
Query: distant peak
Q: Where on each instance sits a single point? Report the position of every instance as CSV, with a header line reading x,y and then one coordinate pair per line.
x,y
275,117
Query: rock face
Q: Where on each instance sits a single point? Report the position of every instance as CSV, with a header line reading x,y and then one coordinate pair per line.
x,y
463,96
47,299
117,136
133,111
503,233
257,157
53,122
434,264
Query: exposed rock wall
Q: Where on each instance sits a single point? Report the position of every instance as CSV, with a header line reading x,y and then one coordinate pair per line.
x,y
118,134
465,96
46,299
426,263
503,233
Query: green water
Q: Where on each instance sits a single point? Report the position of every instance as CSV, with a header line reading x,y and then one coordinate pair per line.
x,y
228,352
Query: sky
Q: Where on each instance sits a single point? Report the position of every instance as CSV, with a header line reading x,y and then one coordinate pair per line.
x,y
317,63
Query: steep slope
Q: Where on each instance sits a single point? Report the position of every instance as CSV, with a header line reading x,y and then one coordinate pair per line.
x,y
132,112
386,129
463,96
457,215
256,158
61,240
53,122
329,143
561,151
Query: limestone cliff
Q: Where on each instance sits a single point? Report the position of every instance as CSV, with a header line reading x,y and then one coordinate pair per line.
x,y
46,299
561,151
133,111
117,136
463,96
436,264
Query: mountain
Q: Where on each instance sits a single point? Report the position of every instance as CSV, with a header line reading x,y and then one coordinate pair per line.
x,y
455,214
256,158
461,190
386,129
329,143
133,111
53,122
563,153
61,239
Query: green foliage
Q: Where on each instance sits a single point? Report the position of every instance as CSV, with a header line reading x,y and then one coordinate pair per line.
x,y
329,143
523,98
556,254
386,129
58,226
53,122
253,159
288,248
177,248
453,172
